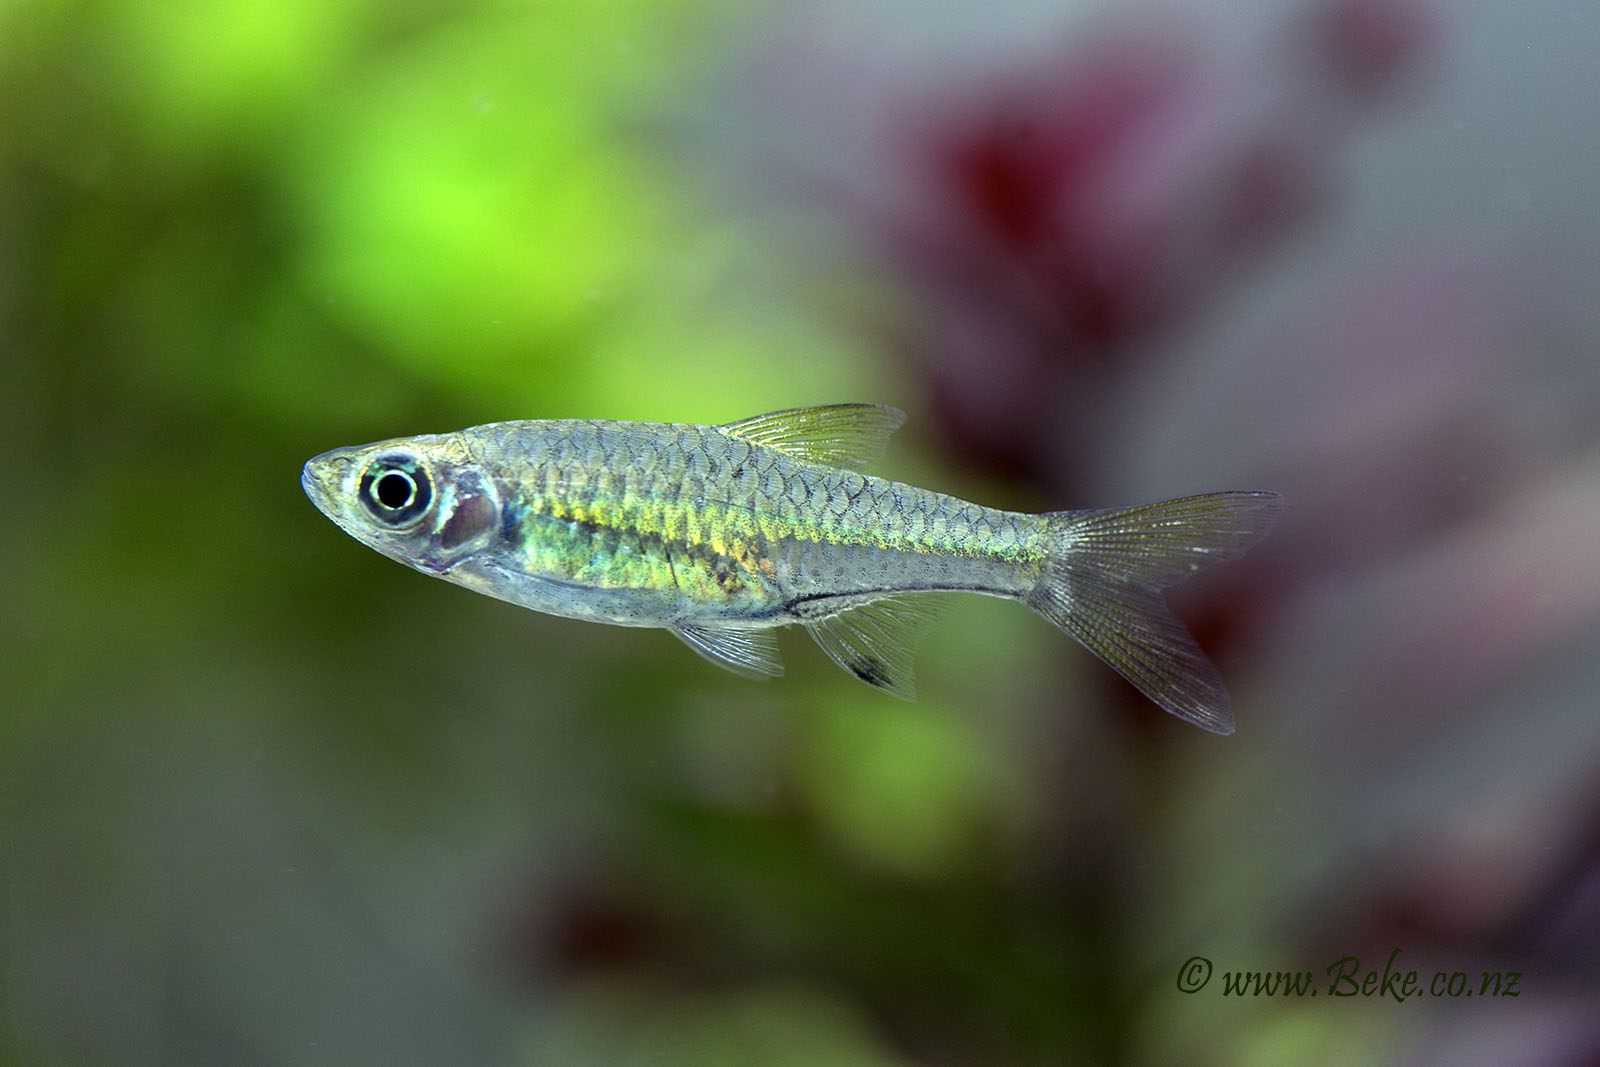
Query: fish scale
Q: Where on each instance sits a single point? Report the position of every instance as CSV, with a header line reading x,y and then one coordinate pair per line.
x,y
819,527
723,533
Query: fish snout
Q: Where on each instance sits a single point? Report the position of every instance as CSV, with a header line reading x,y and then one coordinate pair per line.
x,y
323,478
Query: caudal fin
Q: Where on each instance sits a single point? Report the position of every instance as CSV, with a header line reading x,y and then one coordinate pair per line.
x,y
1104,585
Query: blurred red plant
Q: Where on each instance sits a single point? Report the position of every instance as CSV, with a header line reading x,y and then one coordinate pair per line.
x,y
1067,220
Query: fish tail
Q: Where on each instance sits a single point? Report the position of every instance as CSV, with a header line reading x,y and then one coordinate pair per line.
x,y
1103,583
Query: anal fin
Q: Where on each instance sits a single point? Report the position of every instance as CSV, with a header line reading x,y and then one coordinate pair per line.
x,y
876,641
748,650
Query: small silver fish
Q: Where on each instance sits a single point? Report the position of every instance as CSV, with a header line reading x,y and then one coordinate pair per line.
x,y
721,534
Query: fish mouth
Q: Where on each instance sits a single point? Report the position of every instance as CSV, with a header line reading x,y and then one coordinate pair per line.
x,y
322,478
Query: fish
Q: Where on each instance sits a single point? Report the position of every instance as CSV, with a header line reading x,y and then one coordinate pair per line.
x,y
722,534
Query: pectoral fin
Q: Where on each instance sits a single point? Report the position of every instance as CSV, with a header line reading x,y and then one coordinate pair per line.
x,y
747,650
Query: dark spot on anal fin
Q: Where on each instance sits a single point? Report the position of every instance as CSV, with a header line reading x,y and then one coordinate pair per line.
x,y
872,672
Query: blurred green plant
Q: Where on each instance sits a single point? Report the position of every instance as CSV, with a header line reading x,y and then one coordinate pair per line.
x,y
260,785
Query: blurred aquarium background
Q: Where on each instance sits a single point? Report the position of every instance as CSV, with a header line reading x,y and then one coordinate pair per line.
x,y
268,798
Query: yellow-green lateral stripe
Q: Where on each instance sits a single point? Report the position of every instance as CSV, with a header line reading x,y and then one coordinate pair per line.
x,y
627,547
723,551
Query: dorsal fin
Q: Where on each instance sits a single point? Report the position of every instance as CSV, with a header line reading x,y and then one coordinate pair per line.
x,y
840,435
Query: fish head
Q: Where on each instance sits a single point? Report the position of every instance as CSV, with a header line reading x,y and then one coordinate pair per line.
x,y
422,501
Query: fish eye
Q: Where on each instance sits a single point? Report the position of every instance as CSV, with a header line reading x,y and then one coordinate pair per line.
x,y
396,490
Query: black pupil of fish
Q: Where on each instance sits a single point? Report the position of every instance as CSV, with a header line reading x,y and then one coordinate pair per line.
x,y
395,490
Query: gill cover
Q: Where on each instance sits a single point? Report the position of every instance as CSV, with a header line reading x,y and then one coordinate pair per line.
x,y
468,519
